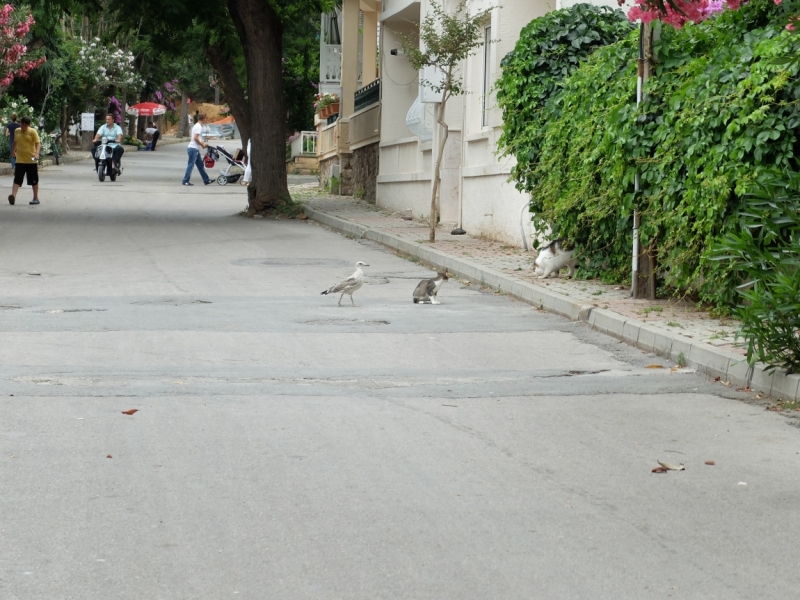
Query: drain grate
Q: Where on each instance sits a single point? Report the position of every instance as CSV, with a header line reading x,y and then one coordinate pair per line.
x,y
346,322
170,302
53,311
292,262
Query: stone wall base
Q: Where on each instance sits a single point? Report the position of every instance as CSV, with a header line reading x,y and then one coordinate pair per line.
x,y
365,172
345,184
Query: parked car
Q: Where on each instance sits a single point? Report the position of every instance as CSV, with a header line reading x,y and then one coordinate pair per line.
x,y
212,131
228,129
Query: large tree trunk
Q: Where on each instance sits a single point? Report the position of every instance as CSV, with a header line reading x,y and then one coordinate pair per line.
x,y
234,92
261,34
183,124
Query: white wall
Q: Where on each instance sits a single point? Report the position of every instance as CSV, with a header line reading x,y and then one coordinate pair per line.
x,y
482,199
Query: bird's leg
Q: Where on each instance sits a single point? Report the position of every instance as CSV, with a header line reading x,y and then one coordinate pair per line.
x,y
340,299
351,300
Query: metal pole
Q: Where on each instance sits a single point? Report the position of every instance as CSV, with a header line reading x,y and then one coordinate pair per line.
x,y
636,182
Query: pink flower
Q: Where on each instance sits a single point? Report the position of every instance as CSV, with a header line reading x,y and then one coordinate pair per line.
x,y
790,27
778,2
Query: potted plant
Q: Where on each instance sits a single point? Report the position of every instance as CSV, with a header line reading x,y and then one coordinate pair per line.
x,y
326,105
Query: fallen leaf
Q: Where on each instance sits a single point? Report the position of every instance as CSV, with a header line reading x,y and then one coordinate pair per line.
x,y
659,470
654,367
130,412
726,383
710,463
108,456
717,378
302,217
670,467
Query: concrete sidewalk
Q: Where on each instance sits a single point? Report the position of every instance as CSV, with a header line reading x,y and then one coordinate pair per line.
x,y
673,328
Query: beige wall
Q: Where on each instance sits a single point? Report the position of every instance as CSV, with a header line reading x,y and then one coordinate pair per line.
x,y
399,82
475,185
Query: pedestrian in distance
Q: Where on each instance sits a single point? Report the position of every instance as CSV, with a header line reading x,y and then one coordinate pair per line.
x,y
25,150
113,132
154,134
11,127
193,150
248,171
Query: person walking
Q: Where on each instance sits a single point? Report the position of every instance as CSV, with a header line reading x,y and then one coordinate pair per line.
x,y
113,133
248,171
25,150
11,127
193,150
154,134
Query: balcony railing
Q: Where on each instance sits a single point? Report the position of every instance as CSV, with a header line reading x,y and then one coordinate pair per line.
x,y
367,95
328,139
330,67
305,143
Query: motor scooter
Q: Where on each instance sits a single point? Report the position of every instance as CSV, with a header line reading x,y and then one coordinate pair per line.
x,y
105,165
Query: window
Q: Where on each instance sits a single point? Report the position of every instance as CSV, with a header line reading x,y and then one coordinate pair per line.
x,y
487,75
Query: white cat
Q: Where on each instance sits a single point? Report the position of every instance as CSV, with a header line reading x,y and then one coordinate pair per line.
x,y
427,289
551,258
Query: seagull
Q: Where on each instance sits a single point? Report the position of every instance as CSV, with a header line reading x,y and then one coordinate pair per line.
x,y
349,285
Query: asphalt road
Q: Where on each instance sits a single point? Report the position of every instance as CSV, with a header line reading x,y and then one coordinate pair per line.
x,y
285,447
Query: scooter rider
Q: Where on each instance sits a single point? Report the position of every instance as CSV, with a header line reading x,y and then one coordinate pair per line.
x,y
113,132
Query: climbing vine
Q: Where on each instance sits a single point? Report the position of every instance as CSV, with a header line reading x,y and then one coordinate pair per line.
x,y
721,111
548,50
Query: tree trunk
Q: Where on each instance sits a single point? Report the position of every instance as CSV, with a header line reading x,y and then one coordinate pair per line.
x,y
183,123
261,34
123,101
64,124
234,92
87,136
437,169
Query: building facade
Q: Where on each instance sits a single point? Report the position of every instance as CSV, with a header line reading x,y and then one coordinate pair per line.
x,y
394,138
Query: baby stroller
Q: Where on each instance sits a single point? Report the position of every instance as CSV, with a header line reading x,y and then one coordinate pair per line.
x,y
235,168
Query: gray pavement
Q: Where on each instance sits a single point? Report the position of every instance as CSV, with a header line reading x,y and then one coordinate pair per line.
x,y
285,447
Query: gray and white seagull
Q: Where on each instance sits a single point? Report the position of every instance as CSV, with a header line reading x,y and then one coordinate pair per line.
x,y
349,285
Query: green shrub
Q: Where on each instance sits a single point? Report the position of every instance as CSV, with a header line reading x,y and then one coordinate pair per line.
x,y
722,109
548,50
764,254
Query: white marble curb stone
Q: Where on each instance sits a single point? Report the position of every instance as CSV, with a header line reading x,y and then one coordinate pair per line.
x,y
707,359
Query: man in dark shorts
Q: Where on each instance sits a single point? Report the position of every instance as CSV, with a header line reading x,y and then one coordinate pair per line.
x,y
26,150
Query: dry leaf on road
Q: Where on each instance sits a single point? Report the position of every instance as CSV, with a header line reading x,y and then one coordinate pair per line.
x,y
710,463
130,412
659,470
108,456
654,367
670,467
